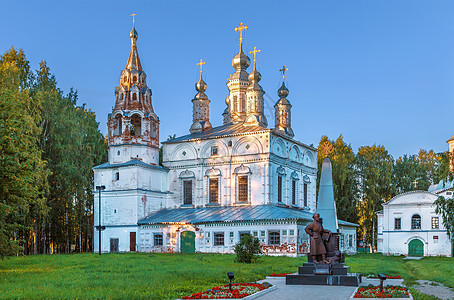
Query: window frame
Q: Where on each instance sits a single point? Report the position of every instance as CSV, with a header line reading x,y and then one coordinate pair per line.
x,y
274,237
217,238
187,183
157,238
212,193
415,225
279,188
396,222
305,191
294,191
435,223
243,188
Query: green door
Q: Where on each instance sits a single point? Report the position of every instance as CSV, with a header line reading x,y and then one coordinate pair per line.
x,y
415,248
187,242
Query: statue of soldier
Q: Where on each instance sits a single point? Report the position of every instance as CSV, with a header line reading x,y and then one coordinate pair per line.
x,y
318,235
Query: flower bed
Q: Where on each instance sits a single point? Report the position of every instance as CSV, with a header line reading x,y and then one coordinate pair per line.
x,y
389,291
239,290
278,275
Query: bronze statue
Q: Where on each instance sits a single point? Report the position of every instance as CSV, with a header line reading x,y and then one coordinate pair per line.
x,y
318,236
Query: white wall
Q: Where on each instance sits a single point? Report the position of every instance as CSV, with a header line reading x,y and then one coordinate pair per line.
x,y
395,242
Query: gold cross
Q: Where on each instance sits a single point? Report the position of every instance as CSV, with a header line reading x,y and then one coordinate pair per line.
x,y
133,20
283,72
240,29
326,147
255,52
201,63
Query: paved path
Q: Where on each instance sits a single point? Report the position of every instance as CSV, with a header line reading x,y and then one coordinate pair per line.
x,y
434,289
310,292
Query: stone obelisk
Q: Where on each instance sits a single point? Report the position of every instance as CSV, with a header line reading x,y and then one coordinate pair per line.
x,y
326,206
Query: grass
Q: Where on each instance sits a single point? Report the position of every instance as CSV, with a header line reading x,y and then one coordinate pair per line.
x,y
170,276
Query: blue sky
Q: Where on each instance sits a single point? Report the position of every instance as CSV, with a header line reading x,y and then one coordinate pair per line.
x,y
374,71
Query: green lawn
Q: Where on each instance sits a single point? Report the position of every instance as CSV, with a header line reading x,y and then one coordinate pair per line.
x,y
170,276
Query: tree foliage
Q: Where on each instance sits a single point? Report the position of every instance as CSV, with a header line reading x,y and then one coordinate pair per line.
x,y
49,145
247,249
344,177
445,208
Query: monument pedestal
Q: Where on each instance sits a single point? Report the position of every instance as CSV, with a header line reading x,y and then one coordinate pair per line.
x,y
323,274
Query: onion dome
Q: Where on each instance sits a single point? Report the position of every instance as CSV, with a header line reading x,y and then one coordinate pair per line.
x,y
241,61
283,91
201,87
133,34
255,76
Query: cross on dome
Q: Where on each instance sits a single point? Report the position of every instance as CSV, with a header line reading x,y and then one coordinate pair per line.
x,y
240,29
201,63
133,19
255,53
283,72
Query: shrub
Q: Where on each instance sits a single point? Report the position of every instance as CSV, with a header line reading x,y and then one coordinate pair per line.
x,y
247,249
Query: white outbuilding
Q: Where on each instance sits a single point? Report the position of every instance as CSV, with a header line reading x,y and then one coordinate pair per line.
x,y
408,225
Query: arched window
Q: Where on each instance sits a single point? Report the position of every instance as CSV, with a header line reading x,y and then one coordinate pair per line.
x,y
134,78
136,122
242,183
118,125
134,96
416,222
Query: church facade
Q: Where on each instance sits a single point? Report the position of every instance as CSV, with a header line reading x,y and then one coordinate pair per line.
x,y
214,184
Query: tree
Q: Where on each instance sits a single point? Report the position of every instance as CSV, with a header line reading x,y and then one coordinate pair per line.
x,y
405,174
22,171
344,177
247,249
374,165
445,208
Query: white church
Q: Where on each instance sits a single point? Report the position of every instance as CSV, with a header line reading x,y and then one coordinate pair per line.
x,y
216,183
408,224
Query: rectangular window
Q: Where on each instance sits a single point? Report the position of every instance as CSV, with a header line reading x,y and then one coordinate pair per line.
x,y
341,241
435,223
279,189
305,194
214,190
397,223
214,150
243,188
284,232
274,237
293,191
262,233
157,238
219,238
231,234
255,233
187,191
291,232
350,240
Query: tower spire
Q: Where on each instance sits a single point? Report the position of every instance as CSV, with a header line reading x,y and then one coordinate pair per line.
x,y
282,113
200,106
237,85
133,59
254,94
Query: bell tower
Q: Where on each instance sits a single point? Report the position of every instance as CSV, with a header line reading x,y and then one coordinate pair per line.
x,y
238,84
133,127
282,113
